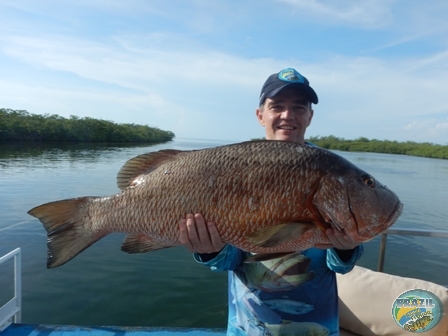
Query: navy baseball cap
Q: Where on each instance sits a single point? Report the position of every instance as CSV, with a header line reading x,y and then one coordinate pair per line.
x,y
287,78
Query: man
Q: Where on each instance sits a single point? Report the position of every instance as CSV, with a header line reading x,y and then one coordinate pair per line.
x,y
295,294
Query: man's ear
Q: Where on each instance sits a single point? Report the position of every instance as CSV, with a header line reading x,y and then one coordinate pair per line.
x,y
260,117
311,116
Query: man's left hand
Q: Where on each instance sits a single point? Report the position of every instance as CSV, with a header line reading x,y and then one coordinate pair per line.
x,y
338,240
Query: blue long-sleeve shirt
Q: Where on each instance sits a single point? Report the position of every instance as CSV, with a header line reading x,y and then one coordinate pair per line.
x,y
295,294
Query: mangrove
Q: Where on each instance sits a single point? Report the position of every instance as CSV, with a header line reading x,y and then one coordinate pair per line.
x,y
20,125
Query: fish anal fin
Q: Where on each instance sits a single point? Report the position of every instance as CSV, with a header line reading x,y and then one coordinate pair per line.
x,y
143,164
140,243
278,234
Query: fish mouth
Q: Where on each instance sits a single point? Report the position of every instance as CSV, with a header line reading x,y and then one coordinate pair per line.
x,y
395,213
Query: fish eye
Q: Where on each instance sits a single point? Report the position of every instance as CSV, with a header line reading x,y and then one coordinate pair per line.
x,y
368,181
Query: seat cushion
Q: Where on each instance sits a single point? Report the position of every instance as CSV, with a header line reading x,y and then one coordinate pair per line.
x,y
344,332
366,298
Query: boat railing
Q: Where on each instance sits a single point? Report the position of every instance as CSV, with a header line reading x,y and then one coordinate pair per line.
x,y
405,232
12,309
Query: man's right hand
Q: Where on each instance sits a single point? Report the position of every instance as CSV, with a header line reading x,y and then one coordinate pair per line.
x,y
197,236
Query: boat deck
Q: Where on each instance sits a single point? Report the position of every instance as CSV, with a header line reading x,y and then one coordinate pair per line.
x,y
63,330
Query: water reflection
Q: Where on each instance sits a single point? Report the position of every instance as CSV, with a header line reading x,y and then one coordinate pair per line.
x,y
47,150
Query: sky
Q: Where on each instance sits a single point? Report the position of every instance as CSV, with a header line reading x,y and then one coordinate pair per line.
x,y
196,67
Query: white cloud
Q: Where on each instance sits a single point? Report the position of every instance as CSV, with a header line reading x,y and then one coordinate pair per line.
x,y
365,13
413,125
427,130
172,88
442,126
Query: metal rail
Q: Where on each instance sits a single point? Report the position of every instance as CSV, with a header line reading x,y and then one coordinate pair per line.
x,y
12,309
405,232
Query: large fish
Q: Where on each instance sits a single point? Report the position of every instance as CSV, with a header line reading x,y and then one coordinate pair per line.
x,y
264,197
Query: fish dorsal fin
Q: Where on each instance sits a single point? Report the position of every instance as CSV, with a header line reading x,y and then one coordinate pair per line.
x,y
278,234
143,164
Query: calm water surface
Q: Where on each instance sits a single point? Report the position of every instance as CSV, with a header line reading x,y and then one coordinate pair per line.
x,y
104,286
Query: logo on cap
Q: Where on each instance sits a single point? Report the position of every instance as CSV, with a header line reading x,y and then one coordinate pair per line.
x,y
290,75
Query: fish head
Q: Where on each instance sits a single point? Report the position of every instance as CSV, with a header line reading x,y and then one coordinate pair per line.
x,y
357,204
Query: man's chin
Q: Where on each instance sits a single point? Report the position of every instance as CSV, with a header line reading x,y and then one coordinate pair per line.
x,y
287,137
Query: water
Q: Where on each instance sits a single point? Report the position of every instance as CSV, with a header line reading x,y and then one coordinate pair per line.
x,y
104,286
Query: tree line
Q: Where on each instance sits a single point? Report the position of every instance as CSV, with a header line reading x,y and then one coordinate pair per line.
x,y
362,144
20,125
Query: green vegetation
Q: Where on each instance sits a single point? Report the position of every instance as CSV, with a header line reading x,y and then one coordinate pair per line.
x,y
24,126
362,144
382,146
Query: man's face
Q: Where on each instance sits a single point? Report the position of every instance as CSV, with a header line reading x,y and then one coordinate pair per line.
x,y
286,116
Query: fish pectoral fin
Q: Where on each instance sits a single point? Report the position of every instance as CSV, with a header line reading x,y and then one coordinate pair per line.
x,y
143,164
265,256
140,243
278,234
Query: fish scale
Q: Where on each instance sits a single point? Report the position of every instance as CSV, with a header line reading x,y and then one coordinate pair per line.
x,y
264,197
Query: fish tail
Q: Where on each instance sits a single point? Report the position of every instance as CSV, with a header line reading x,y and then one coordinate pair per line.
x,y
68,228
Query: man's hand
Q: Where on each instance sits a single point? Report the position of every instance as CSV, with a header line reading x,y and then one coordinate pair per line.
x,y
197,236
342,244
338,240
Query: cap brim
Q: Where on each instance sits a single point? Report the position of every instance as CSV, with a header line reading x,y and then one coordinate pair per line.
x,y
309,92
